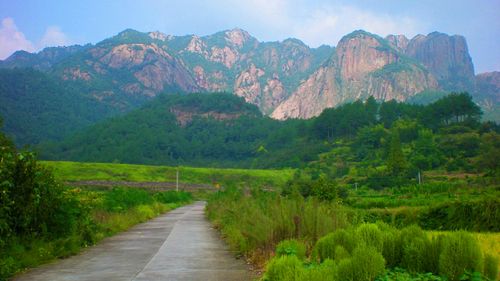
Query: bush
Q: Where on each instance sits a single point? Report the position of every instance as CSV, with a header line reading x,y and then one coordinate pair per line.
x,y
284,268
416,249
370,235
326,246
392,248
366,264
322,272
291,247
460,253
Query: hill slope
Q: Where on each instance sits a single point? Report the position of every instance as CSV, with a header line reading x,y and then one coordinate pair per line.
x,y
197,129
35,107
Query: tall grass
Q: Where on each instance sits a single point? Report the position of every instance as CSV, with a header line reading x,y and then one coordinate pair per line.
x,y
338,243
258,222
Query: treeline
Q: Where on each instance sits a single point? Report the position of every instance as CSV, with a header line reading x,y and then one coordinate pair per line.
x,y
222,130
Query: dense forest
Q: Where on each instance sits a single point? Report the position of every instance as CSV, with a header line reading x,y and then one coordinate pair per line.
x,y
36,107
222,130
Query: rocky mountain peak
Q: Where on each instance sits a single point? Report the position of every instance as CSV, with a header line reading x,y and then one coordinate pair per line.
x,y
446,57
160,36
399,42
361,52
237,37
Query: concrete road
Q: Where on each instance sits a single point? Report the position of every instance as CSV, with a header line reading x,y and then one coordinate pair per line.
x,y
180,245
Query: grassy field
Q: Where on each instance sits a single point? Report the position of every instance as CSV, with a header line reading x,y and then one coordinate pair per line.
x,y
77,171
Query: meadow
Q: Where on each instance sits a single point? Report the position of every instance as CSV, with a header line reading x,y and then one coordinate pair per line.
x,y
81,171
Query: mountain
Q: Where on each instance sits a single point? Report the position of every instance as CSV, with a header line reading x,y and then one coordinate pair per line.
x,y
363,65
285,79
488,94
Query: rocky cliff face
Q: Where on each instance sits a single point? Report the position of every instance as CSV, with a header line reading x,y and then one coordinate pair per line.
x,y
284,79
363,65
446,57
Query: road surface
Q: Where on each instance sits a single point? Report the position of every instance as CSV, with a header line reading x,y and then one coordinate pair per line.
x,y
179,245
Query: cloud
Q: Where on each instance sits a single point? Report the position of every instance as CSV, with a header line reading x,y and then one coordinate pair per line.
x,y
53,36
328,24
11,39
320,23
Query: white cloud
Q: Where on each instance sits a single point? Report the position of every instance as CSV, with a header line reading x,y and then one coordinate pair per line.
x,y
329,24
53,36
11,39
323,23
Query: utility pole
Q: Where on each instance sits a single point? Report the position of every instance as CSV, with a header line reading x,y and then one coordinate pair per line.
x,y
177,180
419,178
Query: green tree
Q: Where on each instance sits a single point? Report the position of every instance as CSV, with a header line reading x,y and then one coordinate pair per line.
x,y
396,161
489,153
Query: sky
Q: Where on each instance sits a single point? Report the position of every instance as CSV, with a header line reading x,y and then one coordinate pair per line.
x,y
32,25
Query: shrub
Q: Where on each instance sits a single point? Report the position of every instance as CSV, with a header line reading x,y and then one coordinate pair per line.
x,y
322,272
392,248
341,253
326,246
284,268
490,267
366,264
291,247
370,235
460,253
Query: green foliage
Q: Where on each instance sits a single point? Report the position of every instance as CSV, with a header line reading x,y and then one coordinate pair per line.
x,y
490,267
482,215
172,197
215,129
460,253
56,109
120,199
396,160
291,247
284,268
489,153
366,264
398,274
370,235
327,246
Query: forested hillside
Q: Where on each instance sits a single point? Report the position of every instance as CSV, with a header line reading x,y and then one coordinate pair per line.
x,y
36,107
222,130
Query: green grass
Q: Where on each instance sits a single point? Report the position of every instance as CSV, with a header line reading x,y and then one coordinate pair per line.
x,y
78,171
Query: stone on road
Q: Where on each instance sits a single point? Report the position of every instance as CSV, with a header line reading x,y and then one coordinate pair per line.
x,y
179,245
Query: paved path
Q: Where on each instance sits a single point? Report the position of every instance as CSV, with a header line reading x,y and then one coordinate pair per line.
x,y
180,245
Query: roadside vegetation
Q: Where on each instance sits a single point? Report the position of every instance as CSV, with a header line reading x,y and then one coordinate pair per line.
x,y
41,220
404,192
295,238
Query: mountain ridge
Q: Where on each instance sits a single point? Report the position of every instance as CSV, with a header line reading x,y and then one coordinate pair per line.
x,y
285,79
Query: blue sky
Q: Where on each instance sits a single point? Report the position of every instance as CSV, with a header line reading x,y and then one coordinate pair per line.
x,y
34,24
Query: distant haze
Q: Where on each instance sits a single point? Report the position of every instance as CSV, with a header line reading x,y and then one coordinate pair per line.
x,y
33,25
